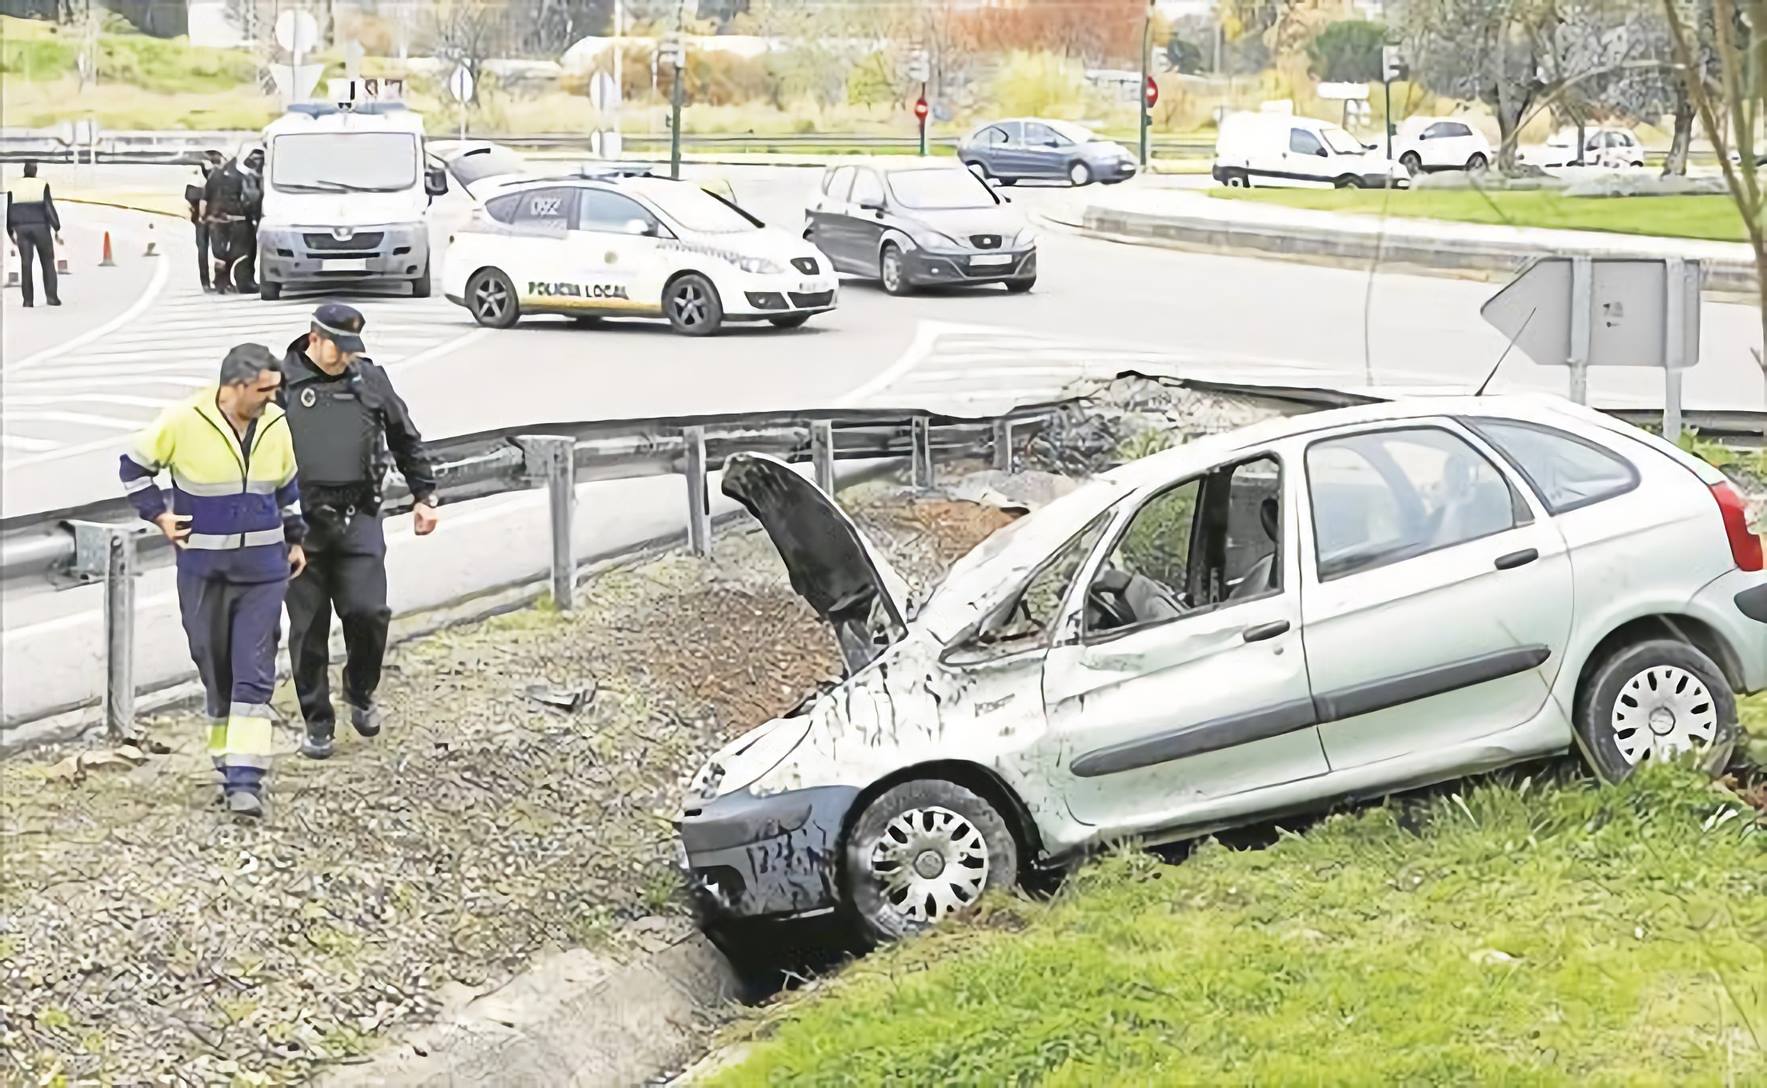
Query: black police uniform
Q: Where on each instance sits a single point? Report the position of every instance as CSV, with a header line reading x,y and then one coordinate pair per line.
x,y
32,221
233,195
193,195
345,428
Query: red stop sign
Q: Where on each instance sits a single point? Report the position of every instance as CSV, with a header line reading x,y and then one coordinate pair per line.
x,y
1152,92
920,109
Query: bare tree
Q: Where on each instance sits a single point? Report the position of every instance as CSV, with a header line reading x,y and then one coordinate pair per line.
x,y
1737,99
468,31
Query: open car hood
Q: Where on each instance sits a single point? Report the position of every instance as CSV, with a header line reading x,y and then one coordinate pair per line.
x,y
832,566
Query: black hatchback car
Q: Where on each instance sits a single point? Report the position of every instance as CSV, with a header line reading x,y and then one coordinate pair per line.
x,y
912,223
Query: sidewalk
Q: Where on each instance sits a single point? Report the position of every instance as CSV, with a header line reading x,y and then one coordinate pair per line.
x,y
1197,220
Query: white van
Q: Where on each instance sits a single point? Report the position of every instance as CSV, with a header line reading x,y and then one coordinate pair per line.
x,y
1275,149
346,199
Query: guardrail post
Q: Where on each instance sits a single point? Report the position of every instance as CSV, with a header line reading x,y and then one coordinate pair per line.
x,y
699,513
553,458
922,462
1003,454
822,455
119,631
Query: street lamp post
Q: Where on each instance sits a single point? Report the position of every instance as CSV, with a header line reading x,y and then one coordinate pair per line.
x,y
1146,66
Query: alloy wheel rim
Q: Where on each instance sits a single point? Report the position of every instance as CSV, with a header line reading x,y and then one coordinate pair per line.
x,y
690,304
1663,711
930,863
892,270
1077,174
491,298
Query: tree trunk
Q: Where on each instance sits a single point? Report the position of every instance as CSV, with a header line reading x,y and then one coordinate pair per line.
x,y
1676,164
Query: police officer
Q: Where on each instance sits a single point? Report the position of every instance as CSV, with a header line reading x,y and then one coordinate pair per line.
x,y
232,202
31,223
193,195
346,419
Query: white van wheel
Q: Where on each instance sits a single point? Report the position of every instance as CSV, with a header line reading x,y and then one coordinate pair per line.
x,y
1237,179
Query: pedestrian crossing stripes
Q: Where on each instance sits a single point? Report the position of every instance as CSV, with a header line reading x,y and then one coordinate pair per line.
x,y
981,370
96,393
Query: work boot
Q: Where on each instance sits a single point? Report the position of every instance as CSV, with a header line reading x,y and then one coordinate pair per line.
x,y
55,302
317,744
366,719
245,804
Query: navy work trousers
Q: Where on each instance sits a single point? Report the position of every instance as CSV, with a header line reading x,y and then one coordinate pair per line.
x,y
233,628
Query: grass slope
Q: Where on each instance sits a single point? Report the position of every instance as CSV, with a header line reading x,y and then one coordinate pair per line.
x,y
1713,218
1522,931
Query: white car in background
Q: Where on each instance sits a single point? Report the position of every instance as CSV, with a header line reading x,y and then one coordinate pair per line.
x,y
616,245
1440,143
1280,150
1606,148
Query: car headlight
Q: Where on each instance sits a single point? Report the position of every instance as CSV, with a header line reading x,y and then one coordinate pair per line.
x,y
1026,237
932,239
760,266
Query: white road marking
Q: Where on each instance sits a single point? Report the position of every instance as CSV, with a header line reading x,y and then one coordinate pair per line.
x,y
16,442
161,272
81,418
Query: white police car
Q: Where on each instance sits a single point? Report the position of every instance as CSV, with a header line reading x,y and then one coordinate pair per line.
x,y
631,246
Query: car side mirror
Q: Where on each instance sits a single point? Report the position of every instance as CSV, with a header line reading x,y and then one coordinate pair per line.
x,y
636,227
1371,147
435,182
1323,153
871,206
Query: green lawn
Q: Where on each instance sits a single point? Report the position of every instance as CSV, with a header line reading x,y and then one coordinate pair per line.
x,y
1518,932
1706,217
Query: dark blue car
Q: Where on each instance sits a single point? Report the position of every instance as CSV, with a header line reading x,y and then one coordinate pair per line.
x,y
1030,149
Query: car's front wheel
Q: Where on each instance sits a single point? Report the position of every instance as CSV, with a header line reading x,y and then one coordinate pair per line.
x,y
693,306
923,852
1020,286
490,297
1412,162
893,271
1079,174
1653,701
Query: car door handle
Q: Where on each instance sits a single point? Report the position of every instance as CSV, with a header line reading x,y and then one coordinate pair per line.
x,y
1517,559
1265,631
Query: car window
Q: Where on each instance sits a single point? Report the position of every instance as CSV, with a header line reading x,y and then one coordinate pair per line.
x,y
1438,130
1385,496
1015,131
838,183
485,162
1302,142
1205,543
609,212
1567,472
940,188
1041,135
867,189
1452,129
1029,618
992,136
502,208
543,211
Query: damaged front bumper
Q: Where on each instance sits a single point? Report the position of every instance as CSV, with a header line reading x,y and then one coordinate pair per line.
x,y
778,855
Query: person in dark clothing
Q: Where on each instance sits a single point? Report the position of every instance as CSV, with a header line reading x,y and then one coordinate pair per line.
x,y
232,202
347,422
193,195
34,227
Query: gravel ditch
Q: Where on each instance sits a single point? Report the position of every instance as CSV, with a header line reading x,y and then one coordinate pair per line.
x,y
144,939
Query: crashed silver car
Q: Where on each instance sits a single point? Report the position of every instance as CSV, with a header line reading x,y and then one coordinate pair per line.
x,y
1331,606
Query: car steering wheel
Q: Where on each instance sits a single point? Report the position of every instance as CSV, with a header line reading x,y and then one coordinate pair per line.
x,y
1108,596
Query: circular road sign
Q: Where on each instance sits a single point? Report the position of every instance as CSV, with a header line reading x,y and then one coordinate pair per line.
x,y
460,83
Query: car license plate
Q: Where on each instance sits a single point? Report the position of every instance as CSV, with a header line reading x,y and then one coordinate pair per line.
x,y
344,264
991,258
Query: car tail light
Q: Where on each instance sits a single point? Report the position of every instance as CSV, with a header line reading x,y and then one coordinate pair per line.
x,y
1744,545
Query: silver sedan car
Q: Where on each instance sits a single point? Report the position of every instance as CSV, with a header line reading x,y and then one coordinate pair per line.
x,y
1327,607
1031,149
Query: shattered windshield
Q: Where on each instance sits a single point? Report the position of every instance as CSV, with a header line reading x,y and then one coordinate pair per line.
x,y
1032,615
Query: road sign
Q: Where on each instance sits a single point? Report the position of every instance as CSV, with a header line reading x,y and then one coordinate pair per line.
x,y
297,31
1152,92
672,51
920,108
919,67
604,93
460,83
1580,312
1391,66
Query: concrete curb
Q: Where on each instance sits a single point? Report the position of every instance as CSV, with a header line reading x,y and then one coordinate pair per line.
x,y
576,1018
1455,256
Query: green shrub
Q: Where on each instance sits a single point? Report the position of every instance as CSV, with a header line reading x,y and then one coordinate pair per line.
x,y
1038,84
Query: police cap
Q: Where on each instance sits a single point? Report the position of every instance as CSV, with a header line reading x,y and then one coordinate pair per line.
x,y
340,324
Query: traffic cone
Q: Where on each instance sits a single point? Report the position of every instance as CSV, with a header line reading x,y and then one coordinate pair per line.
x,y
152,251
107,262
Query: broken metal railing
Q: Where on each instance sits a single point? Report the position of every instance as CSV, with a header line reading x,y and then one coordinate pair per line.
x,y
105,542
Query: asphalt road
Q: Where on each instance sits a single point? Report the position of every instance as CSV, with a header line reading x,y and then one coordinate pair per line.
x,y
1098,305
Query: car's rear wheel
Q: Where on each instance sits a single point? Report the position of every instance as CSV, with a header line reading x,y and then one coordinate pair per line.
x,y
893,271
490,297
789,321
1412,162
1653,701
693,306
923,852
1079,174
1478,164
